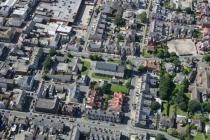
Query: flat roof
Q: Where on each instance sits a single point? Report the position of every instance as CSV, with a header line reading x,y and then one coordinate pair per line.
x,y
9,3
20,11
46,103
64,29
65,10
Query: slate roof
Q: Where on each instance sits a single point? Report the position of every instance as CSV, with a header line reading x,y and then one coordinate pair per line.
x,y
109,67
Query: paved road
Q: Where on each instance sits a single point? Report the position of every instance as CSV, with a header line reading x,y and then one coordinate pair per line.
x,y
125,129
146,25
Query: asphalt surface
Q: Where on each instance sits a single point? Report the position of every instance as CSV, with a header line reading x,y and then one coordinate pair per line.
x,y
125,129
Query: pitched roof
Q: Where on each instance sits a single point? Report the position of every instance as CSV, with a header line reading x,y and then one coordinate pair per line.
x,y
109,67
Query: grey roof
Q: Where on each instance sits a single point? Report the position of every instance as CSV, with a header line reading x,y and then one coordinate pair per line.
x,y
74,94
109,67
17,52
27,82
2,48
106,66
102,26
15,22
7,81
94,46
104,115
63,78
3,85
60,58
46,103
107,8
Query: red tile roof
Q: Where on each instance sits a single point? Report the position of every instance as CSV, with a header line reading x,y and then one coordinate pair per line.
x,y
153,65
117,101
94,99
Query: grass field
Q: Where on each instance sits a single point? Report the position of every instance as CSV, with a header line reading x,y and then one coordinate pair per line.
x,y
116,61
172,110
164,108
208,137
100,77
86,67
178,111
146,54
121,88
199,136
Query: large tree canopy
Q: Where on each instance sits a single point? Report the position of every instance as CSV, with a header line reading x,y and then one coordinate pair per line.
x,y
166,86
155,106
193,106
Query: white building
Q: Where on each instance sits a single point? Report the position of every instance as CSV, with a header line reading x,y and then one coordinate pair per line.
x,y
20,13
6,7
207,129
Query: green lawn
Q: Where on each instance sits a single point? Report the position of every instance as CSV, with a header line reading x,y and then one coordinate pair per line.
x,y
208,137
187,70
86,67
116,61
199,136
146,54
100,77
164,109
171,110
121,88
167,4
178,111
188,95
199,116
129,67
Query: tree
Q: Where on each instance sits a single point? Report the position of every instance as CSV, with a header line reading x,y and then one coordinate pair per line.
x,y
194,105
155,106
207,58
180,98
70,55
172,132
47,63
96,58
188,10
183,106
45,77
162,53
142,69
92,85
206,107
173,58
97,10
119,21
123,56
52,52
120,37
143,17
106,89
160,137
27,62
186,70
128,83
185,84
166,86
188,129
197,34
